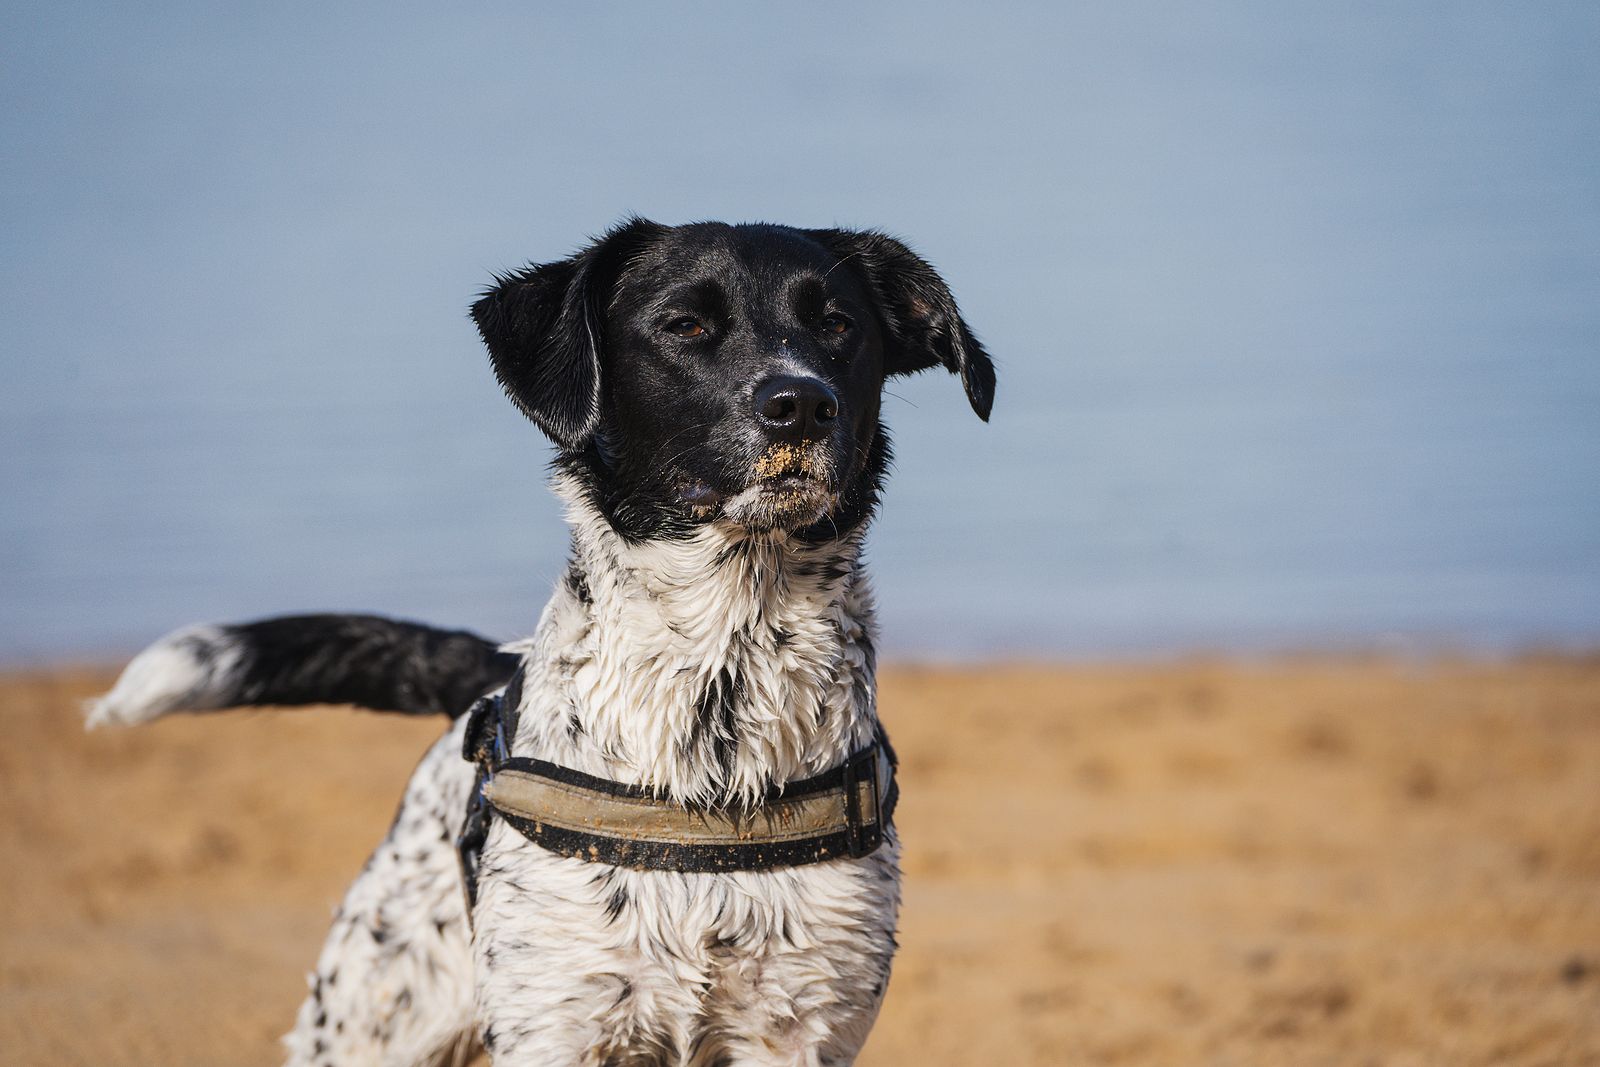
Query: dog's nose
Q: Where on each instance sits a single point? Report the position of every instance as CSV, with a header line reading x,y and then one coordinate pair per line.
x,y
796,409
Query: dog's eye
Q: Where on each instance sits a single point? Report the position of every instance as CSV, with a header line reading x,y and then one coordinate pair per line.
x,y
686,327
835,323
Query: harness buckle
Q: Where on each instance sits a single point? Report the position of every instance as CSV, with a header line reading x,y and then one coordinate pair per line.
x,y
863,830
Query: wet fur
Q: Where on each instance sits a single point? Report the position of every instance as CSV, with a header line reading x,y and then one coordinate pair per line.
x,y
712,637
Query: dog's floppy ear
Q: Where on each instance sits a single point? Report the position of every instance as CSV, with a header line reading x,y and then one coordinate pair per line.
x,y
924,327
544,327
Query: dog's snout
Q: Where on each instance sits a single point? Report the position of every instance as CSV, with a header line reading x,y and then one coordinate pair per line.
x,y
796,409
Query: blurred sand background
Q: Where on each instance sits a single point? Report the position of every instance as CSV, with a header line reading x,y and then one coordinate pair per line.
x,y
1287,862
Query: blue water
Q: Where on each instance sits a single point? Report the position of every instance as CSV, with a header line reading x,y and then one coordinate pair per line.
x,y
1297,314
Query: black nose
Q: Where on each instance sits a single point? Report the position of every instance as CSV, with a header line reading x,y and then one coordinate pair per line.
x,y
796,409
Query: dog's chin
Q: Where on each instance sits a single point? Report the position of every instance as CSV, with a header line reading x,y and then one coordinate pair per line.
x,y
781,504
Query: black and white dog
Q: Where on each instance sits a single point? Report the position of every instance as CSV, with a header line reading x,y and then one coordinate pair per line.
x,y
713,392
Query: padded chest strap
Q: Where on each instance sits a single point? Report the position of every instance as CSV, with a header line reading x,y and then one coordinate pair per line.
x,y
843,812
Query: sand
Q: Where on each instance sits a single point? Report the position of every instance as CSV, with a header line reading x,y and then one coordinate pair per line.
x,y
1290,863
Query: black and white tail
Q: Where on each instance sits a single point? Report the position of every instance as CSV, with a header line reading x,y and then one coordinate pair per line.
x,y
377,663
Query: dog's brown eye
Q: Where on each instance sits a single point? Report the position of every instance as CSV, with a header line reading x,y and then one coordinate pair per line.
x,y
686,327
835,323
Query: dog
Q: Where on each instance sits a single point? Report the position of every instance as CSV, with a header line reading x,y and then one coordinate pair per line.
x,y
713,393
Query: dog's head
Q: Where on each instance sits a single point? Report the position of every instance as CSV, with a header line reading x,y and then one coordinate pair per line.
x,y
709,372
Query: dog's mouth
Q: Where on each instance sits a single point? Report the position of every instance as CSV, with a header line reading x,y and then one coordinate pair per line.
x,y
789,486
785,462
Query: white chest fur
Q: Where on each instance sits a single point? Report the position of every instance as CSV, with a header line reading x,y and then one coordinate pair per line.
x,y
711,669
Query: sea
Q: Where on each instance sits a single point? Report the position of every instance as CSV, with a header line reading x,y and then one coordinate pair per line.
x,y
1296,315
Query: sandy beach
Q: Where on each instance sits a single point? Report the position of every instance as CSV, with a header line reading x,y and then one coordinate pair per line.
x,y
1290,862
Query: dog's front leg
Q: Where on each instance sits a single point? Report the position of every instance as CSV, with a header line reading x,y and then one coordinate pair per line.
x,y
393,986
584,964
807,993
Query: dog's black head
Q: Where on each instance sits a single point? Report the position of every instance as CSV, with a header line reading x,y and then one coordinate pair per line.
x,y
704,372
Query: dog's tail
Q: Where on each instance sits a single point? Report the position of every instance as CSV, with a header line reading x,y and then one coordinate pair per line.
x,y
374,662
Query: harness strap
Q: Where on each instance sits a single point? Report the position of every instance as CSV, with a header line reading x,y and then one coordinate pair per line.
x,y
491,723
839,813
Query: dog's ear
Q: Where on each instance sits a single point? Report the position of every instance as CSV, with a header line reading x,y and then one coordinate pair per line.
x,y
922,324
544,327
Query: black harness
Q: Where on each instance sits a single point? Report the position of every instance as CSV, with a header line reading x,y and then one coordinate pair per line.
x,y
841,812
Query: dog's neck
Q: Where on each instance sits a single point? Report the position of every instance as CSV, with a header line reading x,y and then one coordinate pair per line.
x,y
711,667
